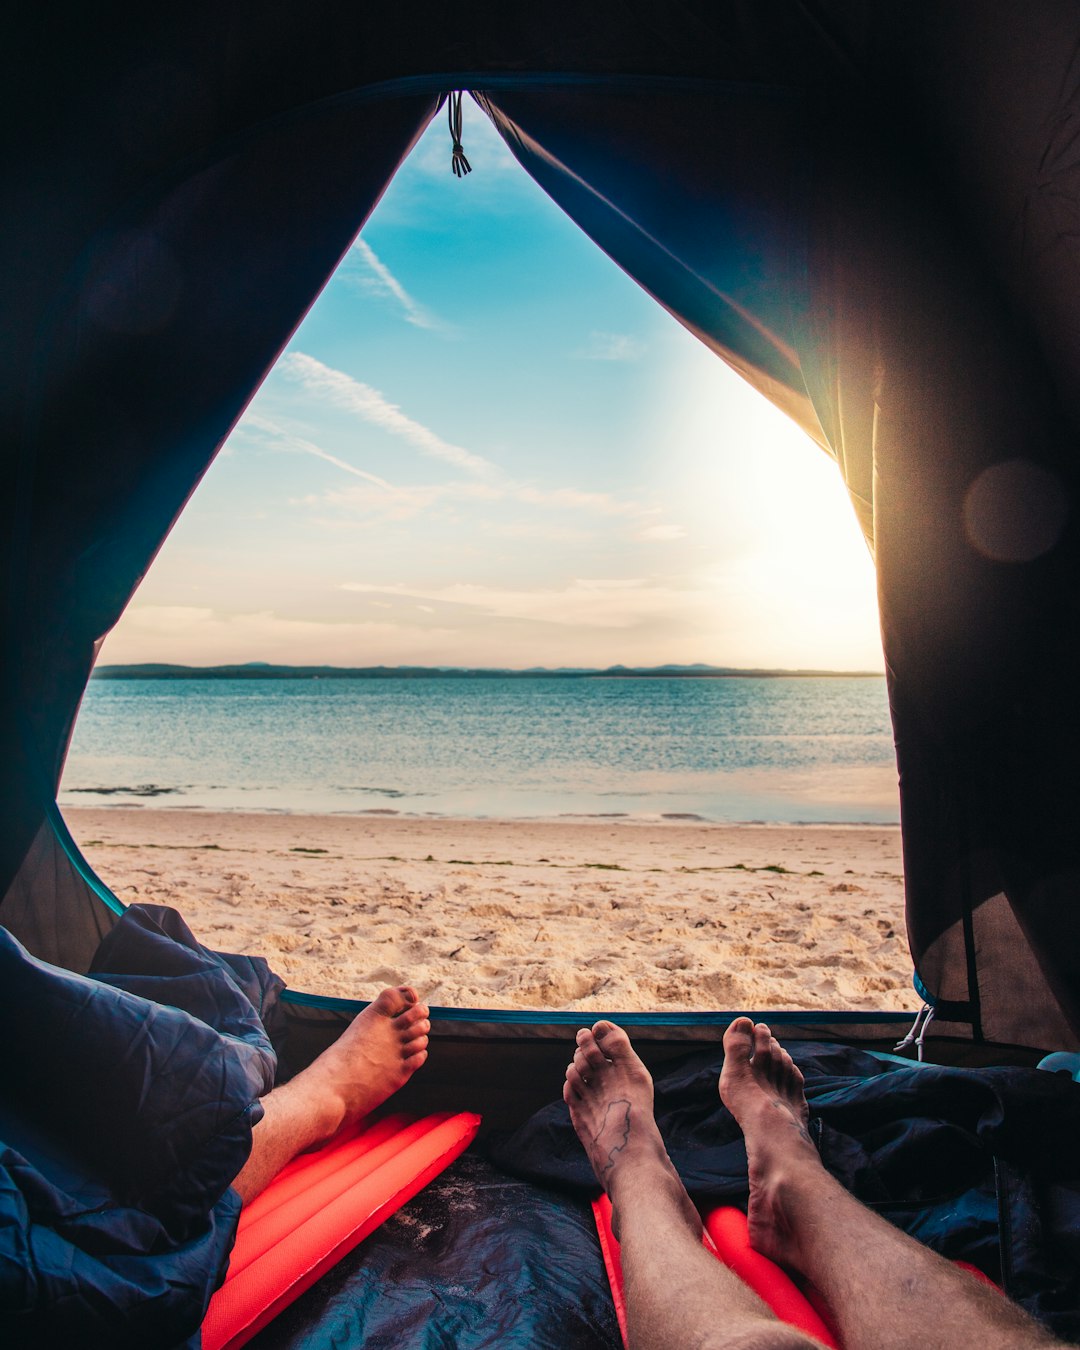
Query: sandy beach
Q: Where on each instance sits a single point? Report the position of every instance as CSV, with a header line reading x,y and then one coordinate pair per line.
x,y
570,914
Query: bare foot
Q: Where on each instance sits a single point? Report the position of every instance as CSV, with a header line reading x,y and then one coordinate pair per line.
x,y
763,1090
377,1053
610,1095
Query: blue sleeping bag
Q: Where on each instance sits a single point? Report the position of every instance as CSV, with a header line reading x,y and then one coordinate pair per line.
x,y
127,1099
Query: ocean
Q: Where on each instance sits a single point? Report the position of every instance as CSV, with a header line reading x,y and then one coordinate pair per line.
x,y
794,750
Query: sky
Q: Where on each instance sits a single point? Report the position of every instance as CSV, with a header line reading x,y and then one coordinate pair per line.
x,y
486,446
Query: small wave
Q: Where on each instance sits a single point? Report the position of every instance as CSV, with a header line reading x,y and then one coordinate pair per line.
x,y
143,790
681,815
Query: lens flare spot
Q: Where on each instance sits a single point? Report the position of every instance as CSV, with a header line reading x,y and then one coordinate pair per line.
x,y
1015,511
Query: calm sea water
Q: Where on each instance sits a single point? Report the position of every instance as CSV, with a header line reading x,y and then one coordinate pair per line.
x,y
795,750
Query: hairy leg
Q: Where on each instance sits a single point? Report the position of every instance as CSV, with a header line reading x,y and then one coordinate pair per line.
x,y
887,1291
677,1294
377,1053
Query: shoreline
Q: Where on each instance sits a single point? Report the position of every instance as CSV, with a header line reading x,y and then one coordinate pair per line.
x,y
660,818
567,913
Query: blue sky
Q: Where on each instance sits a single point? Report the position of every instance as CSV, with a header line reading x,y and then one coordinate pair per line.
x,y
486,446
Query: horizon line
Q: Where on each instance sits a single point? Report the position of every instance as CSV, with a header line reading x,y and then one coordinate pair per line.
x,y
274,670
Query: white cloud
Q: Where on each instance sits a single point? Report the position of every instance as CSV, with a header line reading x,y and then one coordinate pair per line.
x,y
379,497
402,503
597,603
154,619
418,497
599,503
353,396
399,503
612,347
662,532
203,636
390,500
288,441
415,313
534,529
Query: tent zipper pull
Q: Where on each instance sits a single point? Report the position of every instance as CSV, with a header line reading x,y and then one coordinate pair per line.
x,y
918,1031
458,162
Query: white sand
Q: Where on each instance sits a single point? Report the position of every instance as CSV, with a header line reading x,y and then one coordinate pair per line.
x,y
612,915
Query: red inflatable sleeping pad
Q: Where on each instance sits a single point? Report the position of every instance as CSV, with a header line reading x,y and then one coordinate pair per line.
x,y
726,1236
319,1207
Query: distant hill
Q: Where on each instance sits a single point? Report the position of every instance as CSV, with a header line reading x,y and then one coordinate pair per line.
x,y
260,670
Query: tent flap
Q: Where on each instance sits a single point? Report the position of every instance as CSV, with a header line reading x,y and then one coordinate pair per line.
x,y
867,211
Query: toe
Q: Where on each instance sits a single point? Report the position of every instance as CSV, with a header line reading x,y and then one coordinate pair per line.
x,y
417,1040
765,1062
408,997
389,1003
575,1084
591,1054
739,1042
776,1059
589,1061
614,1043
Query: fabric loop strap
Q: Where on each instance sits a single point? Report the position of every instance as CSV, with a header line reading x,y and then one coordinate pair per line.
x,y
458,162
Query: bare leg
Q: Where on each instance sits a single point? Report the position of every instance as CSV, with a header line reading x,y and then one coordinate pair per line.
x,y
377,1053
677,1294
887,1291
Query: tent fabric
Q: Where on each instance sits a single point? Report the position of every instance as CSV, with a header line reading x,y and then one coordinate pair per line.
x,y
870,211
979,1164
55,913
128,1104
156,332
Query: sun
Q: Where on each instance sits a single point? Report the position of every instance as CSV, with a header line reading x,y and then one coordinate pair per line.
x,y
778,537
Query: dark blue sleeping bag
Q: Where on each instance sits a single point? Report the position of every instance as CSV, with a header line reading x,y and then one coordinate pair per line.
x,y
127,1099
980,1164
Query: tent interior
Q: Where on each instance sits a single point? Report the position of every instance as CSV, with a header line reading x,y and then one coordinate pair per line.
x,y
868,211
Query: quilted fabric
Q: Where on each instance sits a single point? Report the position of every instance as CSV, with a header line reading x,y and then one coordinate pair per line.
x,y
127,1107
